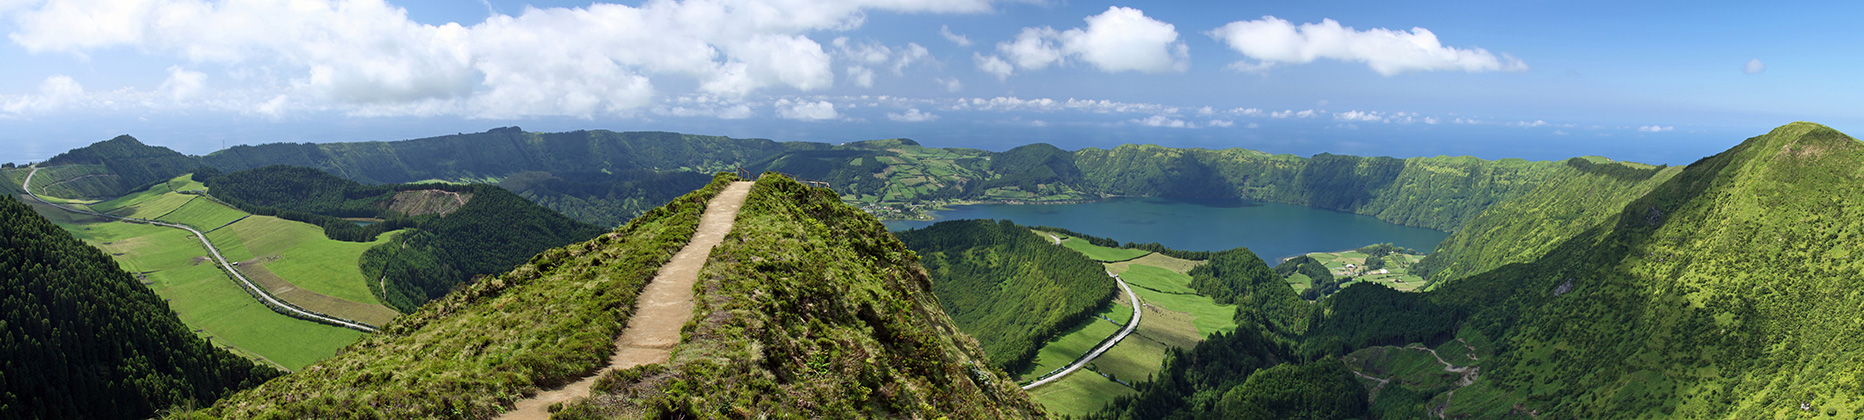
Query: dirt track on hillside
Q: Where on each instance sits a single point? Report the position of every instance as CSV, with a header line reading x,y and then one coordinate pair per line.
x,y
663,307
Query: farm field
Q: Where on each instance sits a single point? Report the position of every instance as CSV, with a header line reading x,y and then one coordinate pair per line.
x,y
1080,393
1174,316
300,253
203,214
173,264
292,260
1397,275
1100,253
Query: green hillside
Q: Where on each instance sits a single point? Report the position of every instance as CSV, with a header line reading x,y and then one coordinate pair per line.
x,y
1724,292
1009,287
809,309
126,165
80,338
1523,229
492,231
605,177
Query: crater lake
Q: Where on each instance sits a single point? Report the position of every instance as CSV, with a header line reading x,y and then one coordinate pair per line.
x,y
1272,230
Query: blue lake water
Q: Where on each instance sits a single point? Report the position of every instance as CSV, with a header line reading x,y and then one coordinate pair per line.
x,y
1273,230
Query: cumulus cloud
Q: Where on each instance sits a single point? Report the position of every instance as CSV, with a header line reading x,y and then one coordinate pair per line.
x,y
960,39
1163,121
1357,115
951,84
1655,128
56,92
183,85
994,65
1270,41
1119,39
911,115
368,55
1753,66
806,110
1222,123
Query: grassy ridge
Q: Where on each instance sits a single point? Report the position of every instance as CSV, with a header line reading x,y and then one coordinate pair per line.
x,y
810,309
539,325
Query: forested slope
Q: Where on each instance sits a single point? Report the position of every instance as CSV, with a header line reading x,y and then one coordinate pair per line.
x,y
1721,293
80,338
1009,287
1570,201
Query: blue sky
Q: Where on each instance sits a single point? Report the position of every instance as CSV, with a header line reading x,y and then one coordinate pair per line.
x,y
1658,82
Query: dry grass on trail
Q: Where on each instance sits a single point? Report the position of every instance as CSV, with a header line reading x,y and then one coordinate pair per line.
x,y
368,313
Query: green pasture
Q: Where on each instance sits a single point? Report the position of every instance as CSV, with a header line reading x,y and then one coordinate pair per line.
x,y
1171,290
203,214
175,266
1100,253
1078,394
301,254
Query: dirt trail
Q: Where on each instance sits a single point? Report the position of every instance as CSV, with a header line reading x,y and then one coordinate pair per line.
x,y
663,307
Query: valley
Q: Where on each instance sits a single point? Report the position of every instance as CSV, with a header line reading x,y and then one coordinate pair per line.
x,y
811,307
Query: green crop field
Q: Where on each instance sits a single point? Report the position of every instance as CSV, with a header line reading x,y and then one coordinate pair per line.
x,y
1171,290
301,254
1101,253
173,264
1078,394
203,214
1074,342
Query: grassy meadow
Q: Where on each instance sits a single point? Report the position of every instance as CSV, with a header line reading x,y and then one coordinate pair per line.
x,y
1100,253
1173,316
293,260
173,264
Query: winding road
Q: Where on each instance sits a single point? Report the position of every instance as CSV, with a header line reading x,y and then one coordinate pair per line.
x,y
1108,344
261,293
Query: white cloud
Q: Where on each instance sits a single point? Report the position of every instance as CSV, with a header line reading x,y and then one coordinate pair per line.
x,y
1163,121
1560,132
993,65
1119,39
1222,123
1357,115
1253,125
1289,113
951,84
1033,48
183,85
861,76
912,115
55,93
960,39
1430,120
1655,128
367,56
1534,123
1270,41
806,110
1754,66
